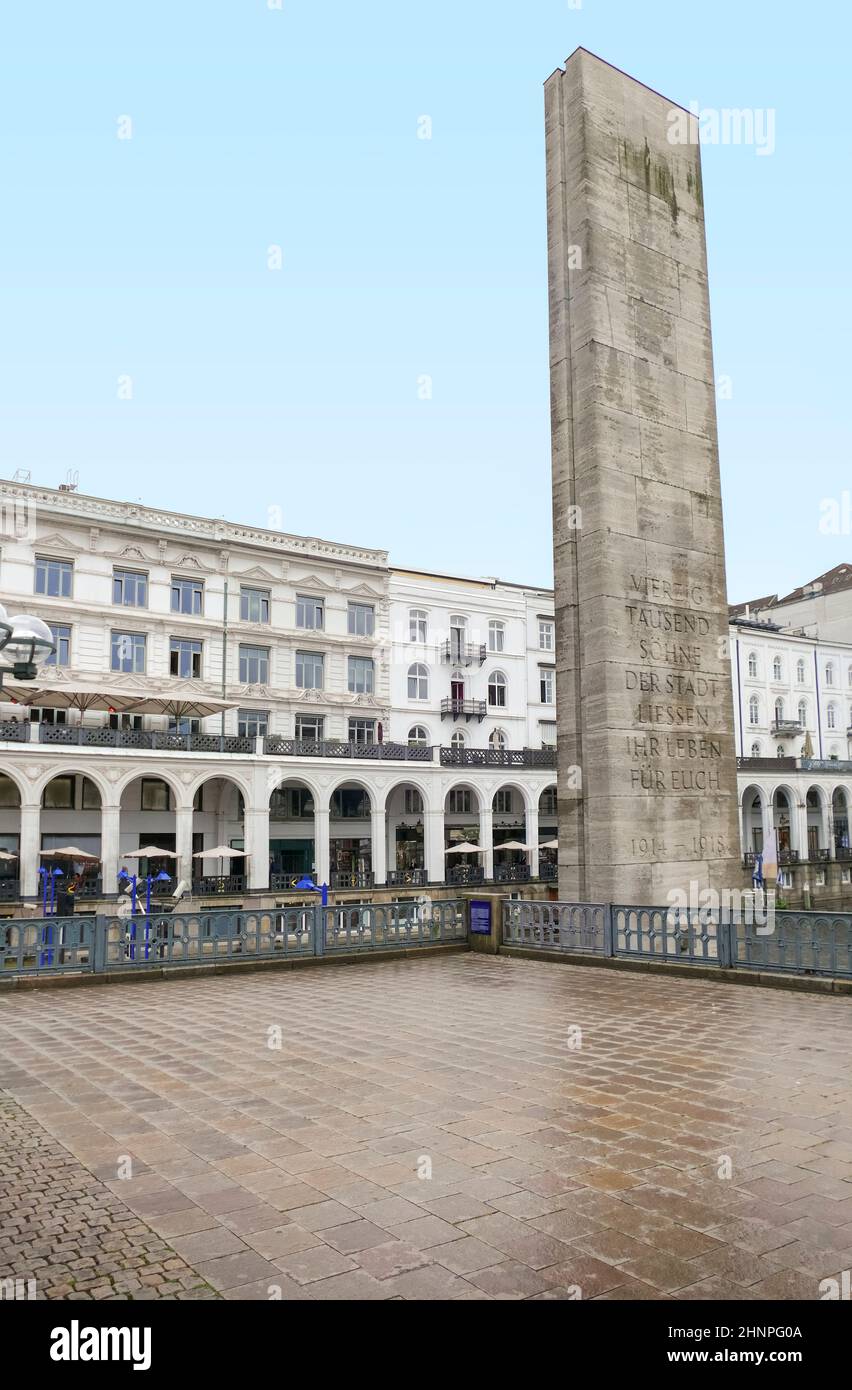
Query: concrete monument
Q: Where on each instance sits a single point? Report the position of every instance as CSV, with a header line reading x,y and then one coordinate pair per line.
x,y
647,771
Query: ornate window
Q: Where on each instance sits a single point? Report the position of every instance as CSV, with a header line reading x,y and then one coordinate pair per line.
x,y
496,636
777,670
755,750
803,713
497,740
800,671
418,737
829,673
779,710
752,663
418,682
417,625
754,710
497,690
831,717
458,739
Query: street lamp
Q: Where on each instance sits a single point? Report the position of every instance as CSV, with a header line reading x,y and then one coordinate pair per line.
x,y
26,641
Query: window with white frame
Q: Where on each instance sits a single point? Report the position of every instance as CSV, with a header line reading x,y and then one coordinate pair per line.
x,y
496,636
755,750
754,710
361,675
547,685
418,682
254,665
497,740
53,577
752,663
187,595
361,619
254,605
831,717
777,669
185,658
803,713
252,723
310,727
62,642
503,804
800,671
309,670
130,588
829,673
310,612
547,730
497,690
412,802
458,739
362,730
460,801
546,634
128,652
779,710
418,737
417,625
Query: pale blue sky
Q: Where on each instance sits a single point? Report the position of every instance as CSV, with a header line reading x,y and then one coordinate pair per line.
x,y
402,257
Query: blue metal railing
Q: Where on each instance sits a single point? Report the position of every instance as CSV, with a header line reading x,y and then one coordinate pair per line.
x,y
801,943
109,942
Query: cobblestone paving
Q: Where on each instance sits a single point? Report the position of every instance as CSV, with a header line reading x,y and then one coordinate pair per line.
x,y
66,1231
429,1129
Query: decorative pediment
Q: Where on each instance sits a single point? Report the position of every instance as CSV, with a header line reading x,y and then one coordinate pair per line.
x,y
56,543
310,581
370,591
256,572
188,561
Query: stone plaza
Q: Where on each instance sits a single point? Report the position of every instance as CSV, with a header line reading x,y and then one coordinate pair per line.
x,y
464,1127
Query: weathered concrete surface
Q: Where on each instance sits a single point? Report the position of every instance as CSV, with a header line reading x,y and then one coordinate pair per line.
x,y
464,1127
643,673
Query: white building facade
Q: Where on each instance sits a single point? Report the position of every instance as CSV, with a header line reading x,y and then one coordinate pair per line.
x,y
292,700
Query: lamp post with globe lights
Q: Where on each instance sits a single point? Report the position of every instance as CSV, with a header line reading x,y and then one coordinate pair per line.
x,y
26,642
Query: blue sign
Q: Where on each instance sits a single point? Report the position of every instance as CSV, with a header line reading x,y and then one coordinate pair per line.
x,y
480,918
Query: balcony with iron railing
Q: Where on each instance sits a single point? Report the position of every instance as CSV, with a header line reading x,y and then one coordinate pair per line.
x,y
102,736
498,757
786,728
463,653
451,708
280,747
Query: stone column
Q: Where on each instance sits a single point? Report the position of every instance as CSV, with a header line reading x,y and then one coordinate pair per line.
x,y
378,842
643,671
321,849
433,847
110,820
531,839
184,864
30,845
486,840
256,823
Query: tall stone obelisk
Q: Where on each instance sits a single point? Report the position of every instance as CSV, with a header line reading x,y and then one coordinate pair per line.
x,y
647,769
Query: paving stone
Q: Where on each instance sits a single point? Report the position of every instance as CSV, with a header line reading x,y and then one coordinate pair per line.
x,y
594,1167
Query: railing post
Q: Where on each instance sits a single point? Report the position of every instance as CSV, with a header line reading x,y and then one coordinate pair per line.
x,y
319,930
99,944
609,930
725,942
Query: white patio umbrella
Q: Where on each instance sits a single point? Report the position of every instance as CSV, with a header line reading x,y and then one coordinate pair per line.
x,y
71,852
464,847
549,844
512,844
221,852
150,852
4,854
